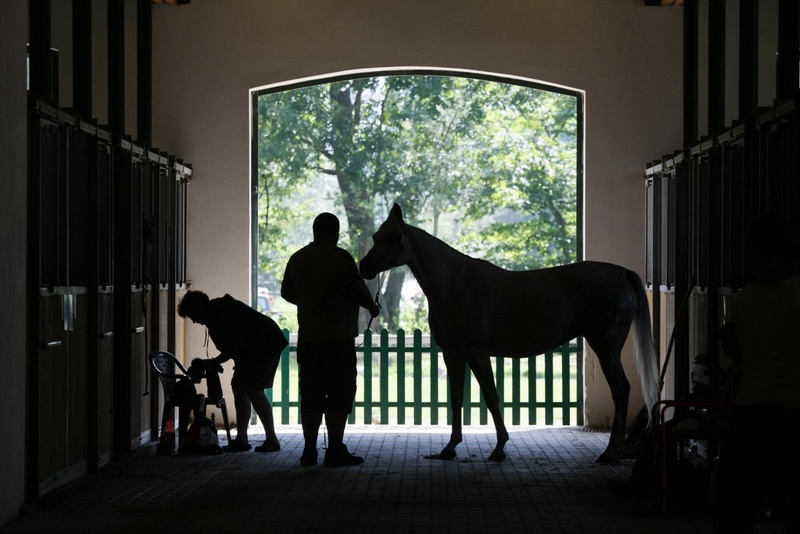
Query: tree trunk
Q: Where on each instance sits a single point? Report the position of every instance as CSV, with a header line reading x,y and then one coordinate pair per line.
x,y
357,200
390,300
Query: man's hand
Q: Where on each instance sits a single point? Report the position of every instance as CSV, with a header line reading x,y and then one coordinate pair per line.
x,y
374,310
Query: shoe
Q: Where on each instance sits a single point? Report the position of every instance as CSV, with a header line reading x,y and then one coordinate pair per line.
x,y
340,456
309,457
236,447
268,447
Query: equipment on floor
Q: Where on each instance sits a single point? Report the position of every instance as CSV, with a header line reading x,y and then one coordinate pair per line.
x,y
178,384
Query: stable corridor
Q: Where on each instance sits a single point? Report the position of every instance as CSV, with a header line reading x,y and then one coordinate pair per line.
x,y
549,484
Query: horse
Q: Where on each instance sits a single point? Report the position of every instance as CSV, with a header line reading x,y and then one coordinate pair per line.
x,y
478,310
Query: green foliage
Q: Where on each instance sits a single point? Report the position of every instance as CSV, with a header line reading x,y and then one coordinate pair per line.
x,y
491,168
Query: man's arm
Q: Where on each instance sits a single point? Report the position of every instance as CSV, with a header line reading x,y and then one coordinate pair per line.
x,y
222,358
358,287
287,287
365,299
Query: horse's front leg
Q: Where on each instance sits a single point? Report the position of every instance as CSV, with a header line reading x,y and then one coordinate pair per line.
x,y
456,371
482,368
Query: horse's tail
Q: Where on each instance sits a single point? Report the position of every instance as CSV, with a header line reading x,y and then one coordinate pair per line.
x,y
646,358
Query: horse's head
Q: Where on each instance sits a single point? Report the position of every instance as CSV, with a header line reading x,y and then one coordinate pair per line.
x,y
389,246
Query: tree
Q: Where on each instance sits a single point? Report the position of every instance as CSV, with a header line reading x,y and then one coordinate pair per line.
x,y
437,145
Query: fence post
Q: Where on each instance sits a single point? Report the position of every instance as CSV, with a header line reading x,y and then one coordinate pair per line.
x,y
516,400
401,377
286,361
367,355
548,388
384,377
565,384
579,380
416,351
435,384
533,401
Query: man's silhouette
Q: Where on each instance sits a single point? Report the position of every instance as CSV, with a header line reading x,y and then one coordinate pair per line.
x,y
323,281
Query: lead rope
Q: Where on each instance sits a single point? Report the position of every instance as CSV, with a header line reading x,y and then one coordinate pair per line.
x,y
378,297
377,302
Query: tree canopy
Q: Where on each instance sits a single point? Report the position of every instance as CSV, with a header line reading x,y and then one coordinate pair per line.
x,y
491,168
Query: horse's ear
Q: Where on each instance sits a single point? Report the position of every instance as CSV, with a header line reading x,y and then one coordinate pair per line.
x,y
397,212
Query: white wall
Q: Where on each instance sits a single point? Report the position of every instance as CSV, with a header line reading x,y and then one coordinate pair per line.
x,y
13,203
209,54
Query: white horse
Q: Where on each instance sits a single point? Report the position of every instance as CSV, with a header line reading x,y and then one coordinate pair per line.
x,y
478,310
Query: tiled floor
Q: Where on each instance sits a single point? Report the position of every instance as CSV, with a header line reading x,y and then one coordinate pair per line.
x,y
549,484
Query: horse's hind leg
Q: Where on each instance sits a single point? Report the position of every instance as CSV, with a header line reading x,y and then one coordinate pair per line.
x,y
611,365
482,368
456,372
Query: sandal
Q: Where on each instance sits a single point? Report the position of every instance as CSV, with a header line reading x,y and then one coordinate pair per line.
x,y
236,447
268,447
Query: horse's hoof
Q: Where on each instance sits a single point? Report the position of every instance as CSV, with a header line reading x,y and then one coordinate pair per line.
x,y
606,459
497,456
445,455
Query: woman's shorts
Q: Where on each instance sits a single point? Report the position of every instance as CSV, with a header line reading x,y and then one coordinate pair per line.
x,y
259,374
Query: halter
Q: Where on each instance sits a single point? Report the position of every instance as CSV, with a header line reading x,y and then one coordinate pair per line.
x,y
403,244
383,274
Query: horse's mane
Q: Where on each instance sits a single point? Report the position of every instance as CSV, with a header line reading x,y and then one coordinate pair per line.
x,y
454,251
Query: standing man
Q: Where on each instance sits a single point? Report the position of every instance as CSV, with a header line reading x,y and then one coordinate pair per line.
x,y
255,343
323,281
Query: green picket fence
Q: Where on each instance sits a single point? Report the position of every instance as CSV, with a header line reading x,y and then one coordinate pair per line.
x,y
402,380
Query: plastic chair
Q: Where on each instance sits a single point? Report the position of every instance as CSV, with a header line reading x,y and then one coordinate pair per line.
x,y
179,392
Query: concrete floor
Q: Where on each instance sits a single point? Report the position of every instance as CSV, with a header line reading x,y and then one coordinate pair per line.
x,y
549,483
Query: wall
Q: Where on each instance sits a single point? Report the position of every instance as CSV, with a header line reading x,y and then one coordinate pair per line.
x,y
208,55
13,158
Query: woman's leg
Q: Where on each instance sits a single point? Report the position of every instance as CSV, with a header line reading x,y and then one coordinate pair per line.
x,y
263,409
241,403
